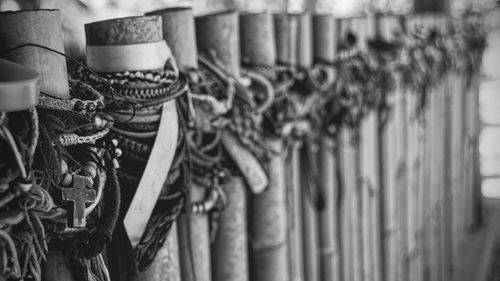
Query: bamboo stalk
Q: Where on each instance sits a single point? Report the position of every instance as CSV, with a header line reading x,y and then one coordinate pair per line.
x,y
268,217
413,145
325,47
179,32
219,33
474,208
193,229
351,158
390,156
166,265
309,211
445,196
369,179
286,31
457,92
229,250
347,170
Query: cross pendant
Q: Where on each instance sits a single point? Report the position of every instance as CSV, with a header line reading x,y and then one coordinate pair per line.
x,y
79,196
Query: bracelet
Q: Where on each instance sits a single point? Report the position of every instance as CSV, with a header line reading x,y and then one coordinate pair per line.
x,y
127,77
70,139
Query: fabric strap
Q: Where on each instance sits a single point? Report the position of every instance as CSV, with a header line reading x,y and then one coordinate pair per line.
x,y
155,174
120,58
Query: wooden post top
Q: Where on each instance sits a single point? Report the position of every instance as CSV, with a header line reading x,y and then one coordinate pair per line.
x,y
124,31
305,41
219,33
42,27
258,41
294,38
179,32
126,44
325,37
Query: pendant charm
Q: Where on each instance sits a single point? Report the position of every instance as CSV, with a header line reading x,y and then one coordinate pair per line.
x,y
251,169
79,195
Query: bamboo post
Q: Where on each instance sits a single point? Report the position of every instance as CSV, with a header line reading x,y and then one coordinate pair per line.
x,y
131,31
229,252
474,210
420,270
179,32
268,224
257,37
457,93
432,172
413,166
445,199
219,33
403,196
436,174
309,212
41,27
351,256
391,146
286,30
193,229
369,178
325,47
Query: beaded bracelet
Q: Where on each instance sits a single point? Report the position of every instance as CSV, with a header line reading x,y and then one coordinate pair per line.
x,y
70,139
128,77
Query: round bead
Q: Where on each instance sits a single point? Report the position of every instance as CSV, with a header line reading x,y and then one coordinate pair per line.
x,y
114,142
67,179
89,181
90,170
98,122
79,106
149,76
64,167
91,106
118,152
116,165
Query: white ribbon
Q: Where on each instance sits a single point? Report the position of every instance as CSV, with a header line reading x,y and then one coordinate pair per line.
x,y
133,57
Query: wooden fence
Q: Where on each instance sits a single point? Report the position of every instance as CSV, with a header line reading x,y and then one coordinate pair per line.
x,y
393,196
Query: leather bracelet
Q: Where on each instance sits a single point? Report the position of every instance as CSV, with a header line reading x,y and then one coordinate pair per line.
x,y
138,135
128,144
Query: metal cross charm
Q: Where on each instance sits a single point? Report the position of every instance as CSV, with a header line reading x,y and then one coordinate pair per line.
x,y
79,195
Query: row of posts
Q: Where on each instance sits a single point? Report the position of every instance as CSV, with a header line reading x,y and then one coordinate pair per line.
x,y
399,201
